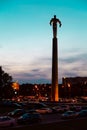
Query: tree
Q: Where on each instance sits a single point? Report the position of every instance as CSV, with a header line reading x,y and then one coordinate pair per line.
x,y
5,84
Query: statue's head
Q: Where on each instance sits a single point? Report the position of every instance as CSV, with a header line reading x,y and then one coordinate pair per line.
x,y
54,16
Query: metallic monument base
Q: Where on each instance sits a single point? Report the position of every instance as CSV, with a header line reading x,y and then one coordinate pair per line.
x,y
54,92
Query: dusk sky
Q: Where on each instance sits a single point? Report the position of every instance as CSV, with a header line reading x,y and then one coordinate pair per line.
x,y
26,39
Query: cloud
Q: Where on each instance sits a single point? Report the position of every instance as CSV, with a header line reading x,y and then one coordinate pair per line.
x,y
39,71
71,65
31,77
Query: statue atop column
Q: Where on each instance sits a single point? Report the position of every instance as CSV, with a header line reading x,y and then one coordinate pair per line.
x,y
54,22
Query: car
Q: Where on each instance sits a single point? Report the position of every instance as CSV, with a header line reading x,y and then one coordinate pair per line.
x,y
61,108
16,113
82,113
36,105
69,115
7,121
44,110
84,107
8,103
76,108
29,118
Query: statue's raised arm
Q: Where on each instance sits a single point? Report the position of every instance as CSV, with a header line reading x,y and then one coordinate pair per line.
x,y
54,22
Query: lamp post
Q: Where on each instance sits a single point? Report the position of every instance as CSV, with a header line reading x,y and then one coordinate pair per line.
x,y
69,89
15,86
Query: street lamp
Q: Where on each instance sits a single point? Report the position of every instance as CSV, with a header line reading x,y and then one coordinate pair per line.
x,y
15,86
69,88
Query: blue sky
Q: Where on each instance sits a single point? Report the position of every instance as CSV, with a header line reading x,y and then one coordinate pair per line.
x,y
26,39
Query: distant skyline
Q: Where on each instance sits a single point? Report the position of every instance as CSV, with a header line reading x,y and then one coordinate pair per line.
x,y
26,39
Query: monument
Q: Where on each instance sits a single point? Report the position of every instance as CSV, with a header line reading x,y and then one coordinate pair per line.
x,y
54,87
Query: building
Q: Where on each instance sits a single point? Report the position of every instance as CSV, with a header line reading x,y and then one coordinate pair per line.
x,y
74,86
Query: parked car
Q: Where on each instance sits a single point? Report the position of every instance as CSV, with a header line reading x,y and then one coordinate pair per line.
x,y
8,103
16,113
45,110
29,118
69,115
84,107
76,108
82,113
36,105
7,121
61,108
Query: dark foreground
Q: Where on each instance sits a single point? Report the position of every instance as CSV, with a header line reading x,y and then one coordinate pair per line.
x,y
76,124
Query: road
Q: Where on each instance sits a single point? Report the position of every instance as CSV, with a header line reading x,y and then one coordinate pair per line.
x,y
49,118
54,121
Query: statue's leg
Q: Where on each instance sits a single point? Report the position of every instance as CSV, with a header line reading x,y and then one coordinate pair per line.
x,y
54,32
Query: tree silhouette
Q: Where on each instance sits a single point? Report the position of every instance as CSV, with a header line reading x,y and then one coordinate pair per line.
x,y
5,84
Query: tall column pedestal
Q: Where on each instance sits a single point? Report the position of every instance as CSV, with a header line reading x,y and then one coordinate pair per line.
x,y
54,89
